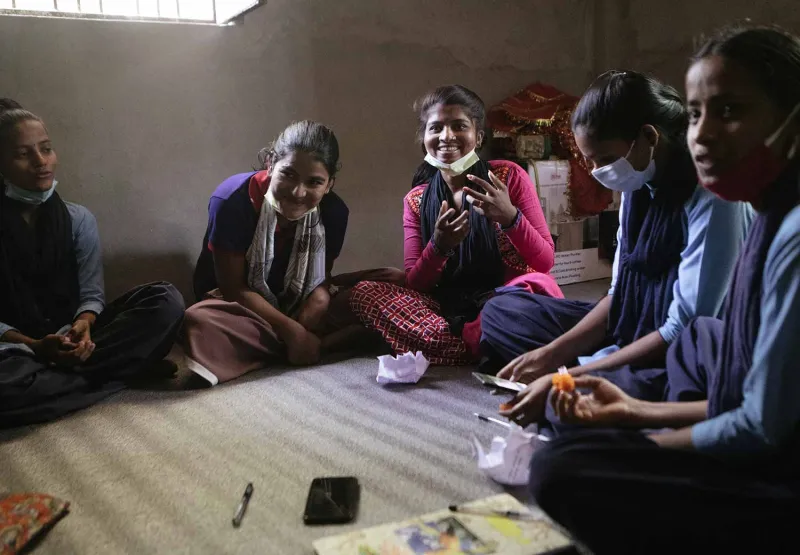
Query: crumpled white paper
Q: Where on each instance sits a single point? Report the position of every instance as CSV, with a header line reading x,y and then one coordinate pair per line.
x,y
508,459
405,368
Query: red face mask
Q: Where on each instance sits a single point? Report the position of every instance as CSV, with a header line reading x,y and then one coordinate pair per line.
x,y
753,174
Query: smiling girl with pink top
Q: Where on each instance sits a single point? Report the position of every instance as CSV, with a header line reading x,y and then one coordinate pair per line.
x,y
470,226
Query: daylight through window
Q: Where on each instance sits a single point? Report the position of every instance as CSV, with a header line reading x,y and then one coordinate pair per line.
x,y
189,11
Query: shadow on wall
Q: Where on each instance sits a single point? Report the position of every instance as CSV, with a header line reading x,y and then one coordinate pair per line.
x,y
124,271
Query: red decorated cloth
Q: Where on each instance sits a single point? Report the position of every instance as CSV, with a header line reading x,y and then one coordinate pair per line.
x,y
25,516
545,110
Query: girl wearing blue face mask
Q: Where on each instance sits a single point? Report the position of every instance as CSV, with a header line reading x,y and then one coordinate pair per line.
x,y
62,347
676,247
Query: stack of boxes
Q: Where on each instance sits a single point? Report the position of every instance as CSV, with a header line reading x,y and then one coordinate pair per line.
x,y
584,245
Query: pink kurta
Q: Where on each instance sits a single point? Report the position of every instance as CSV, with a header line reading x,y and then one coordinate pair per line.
x,y
526,248
409,319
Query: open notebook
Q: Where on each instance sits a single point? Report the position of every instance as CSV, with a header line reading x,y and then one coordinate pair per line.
x,y
454,533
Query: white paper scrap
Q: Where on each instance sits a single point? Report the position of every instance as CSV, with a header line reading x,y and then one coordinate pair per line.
x,y
405,368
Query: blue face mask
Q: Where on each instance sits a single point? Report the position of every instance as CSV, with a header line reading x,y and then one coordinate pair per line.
x,y
622,176
29,197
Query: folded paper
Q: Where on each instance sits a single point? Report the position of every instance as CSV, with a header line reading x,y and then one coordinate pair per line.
x,y
508,459
405,368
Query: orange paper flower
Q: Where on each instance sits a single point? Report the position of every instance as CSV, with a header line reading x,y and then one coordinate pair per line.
x,y
563,381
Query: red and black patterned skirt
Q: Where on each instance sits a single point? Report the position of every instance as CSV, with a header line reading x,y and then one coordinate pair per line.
x,y
409,321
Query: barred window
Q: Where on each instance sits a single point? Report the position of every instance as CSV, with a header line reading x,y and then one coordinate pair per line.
x,y
219,12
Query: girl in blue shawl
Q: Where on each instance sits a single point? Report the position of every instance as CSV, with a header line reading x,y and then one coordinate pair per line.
x,y
726,477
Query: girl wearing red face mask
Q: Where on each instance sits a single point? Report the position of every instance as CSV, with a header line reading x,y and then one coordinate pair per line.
x,y
677,245
727,473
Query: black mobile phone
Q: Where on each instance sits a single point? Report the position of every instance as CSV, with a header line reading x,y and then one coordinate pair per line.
x,y
332,500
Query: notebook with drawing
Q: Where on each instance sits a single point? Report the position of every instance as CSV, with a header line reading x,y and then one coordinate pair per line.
x,y
455,533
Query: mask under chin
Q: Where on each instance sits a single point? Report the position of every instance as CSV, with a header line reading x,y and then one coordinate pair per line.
x,y
293,215
456,168
296,213
27,196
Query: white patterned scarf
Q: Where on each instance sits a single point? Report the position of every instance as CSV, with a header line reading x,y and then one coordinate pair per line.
x,y
306,268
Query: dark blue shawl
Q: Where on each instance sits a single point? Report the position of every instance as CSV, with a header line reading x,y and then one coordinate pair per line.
x,y
653,236
743,305
39,289
476,268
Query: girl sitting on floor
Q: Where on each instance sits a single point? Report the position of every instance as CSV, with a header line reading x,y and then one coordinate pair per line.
x,y
469,226
265,266
61,347
677,244
727,478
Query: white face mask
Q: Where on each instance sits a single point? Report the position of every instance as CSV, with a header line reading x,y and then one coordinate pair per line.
x,y
29,197
273,202
621,176
456,168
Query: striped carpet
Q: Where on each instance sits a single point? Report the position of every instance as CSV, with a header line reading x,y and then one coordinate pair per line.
x,y
162,471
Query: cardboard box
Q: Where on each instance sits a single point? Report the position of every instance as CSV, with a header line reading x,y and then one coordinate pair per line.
x,y
580,265
616,201
533,147
577,256
569,236
551,178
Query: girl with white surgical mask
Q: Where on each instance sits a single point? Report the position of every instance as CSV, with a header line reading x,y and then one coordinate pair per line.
x,y
470,226
720,471
676,247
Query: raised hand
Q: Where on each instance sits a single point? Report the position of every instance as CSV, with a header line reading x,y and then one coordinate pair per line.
x,y
450,230
495,203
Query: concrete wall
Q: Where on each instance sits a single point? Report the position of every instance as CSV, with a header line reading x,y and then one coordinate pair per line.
x,y
148,119
659,36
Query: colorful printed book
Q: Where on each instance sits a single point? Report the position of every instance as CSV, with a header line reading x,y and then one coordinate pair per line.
x,y
455,533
